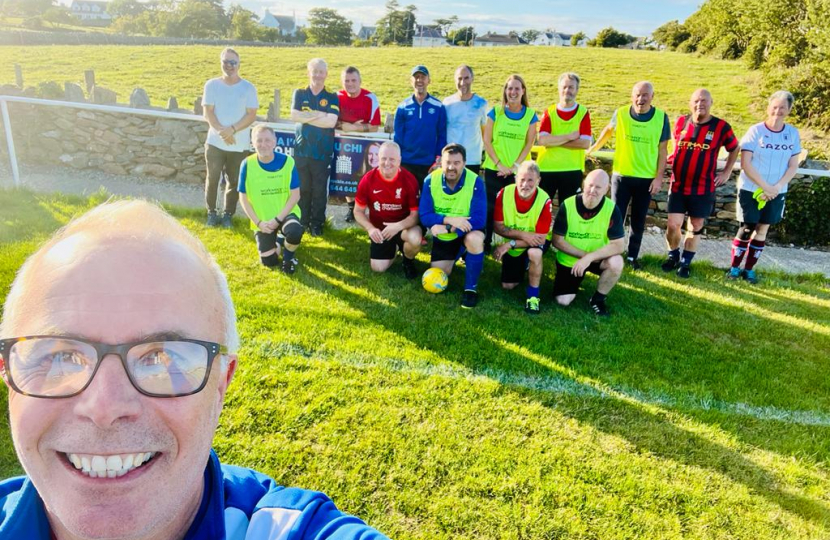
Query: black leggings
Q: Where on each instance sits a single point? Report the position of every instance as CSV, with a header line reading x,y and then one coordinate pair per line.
x,y
493,183
627,189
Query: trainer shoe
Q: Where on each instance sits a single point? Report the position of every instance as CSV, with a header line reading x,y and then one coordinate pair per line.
x,y
212,219
670,264
734,273
751,276
634,264
409,270
684,272
532,305
349,215
289,267
227,221
599,307
316,230
469,299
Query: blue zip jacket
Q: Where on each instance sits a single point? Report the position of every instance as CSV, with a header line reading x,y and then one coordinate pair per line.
x,y
238,504
421,130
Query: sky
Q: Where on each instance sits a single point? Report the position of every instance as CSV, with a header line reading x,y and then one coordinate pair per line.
x,y
638,18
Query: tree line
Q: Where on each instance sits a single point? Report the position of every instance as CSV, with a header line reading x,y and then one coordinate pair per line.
x,y
787,40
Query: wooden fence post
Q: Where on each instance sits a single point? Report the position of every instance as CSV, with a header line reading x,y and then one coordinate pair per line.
x,y
18,75
89,79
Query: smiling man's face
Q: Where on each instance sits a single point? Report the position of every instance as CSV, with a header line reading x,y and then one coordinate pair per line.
x,y
118,290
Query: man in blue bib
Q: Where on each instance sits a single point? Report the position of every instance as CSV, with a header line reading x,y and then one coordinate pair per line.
x,y
118,344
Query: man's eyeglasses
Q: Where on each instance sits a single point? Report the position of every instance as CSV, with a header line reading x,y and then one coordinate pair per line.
x,y
61,367
233,63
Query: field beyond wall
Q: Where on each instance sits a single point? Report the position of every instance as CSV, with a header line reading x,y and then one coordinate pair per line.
x,y
607,74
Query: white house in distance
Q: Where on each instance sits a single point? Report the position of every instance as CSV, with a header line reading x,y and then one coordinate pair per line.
x,y
428,36
90,11
367,32
285,24
498,40
557,39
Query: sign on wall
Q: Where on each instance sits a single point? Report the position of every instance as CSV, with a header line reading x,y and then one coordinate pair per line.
x,y
353,157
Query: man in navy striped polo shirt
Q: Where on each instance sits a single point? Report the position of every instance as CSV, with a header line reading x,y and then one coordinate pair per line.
x,y
698,137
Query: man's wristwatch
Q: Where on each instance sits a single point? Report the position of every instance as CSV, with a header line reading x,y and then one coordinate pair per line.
x,y
512,243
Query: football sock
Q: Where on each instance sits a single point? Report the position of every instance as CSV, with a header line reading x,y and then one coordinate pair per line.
x,y
686,260
287,256
756,247
532,291
598,297
475,263
674,254
738,251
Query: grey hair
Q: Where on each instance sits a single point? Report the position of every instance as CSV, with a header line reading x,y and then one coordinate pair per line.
x,y
570,75
783,94
228,50
134,219
317,62
531,166
390,144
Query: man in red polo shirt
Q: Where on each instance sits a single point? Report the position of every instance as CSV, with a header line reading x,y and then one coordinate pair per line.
x,y
391,195
359,112
698,137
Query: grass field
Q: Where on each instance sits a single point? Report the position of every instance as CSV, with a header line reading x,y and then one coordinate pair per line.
x,y
700,410
607,74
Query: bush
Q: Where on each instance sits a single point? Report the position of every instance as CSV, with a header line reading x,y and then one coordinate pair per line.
x,y
805,221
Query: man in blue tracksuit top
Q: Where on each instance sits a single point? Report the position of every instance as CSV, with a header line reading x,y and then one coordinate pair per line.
x,y
118,342
420,127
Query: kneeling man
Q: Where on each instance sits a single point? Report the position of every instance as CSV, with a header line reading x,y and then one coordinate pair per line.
x,y
589,234
523,216
391,195
119,343
269,189
454,208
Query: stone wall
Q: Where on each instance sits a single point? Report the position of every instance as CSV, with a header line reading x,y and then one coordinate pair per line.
x,y
117,143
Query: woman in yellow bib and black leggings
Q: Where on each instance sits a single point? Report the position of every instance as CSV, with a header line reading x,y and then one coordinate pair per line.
x,y
508,137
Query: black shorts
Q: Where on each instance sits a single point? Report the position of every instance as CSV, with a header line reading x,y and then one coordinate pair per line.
x,y
565,183
696,206
567,283
513,268
268,241
386,250
446,250
772,213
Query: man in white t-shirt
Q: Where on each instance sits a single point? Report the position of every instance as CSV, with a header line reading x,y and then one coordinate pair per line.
x,y
230,104
466,116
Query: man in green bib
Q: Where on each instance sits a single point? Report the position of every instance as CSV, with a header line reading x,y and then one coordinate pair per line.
x,y
523,216
589,236
269,189
565,134
454,208
642,133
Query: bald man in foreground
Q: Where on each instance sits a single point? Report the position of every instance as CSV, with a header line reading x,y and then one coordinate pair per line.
x,y
642,136
589,236
118,345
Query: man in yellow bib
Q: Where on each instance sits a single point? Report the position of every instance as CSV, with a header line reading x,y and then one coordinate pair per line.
x,y
454,208
523,216
642,133
565,133
269,190
589,236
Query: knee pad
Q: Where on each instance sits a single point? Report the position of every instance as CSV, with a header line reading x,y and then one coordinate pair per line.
x,y
270,260
745,231
293,232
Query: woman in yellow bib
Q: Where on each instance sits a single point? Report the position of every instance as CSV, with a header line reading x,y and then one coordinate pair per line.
x,y
508,137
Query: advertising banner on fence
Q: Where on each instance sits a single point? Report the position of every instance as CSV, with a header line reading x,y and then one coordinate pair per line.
x,y
353,157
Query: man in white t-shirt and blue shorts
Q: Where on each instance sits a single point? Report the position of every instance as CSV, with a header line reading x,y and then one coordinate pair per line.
x,y
230,104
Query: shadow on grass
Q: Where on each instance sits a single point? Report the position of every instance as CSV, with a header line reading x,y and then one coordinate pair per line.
x,y
657,343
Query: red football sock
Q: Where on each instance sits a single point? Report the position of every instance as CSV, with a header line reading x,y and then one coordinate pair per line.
x,y
755,249
738,251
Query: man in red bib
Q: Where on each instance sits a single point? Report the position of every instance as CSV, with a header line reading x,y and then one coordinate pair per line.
x,y
391,195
